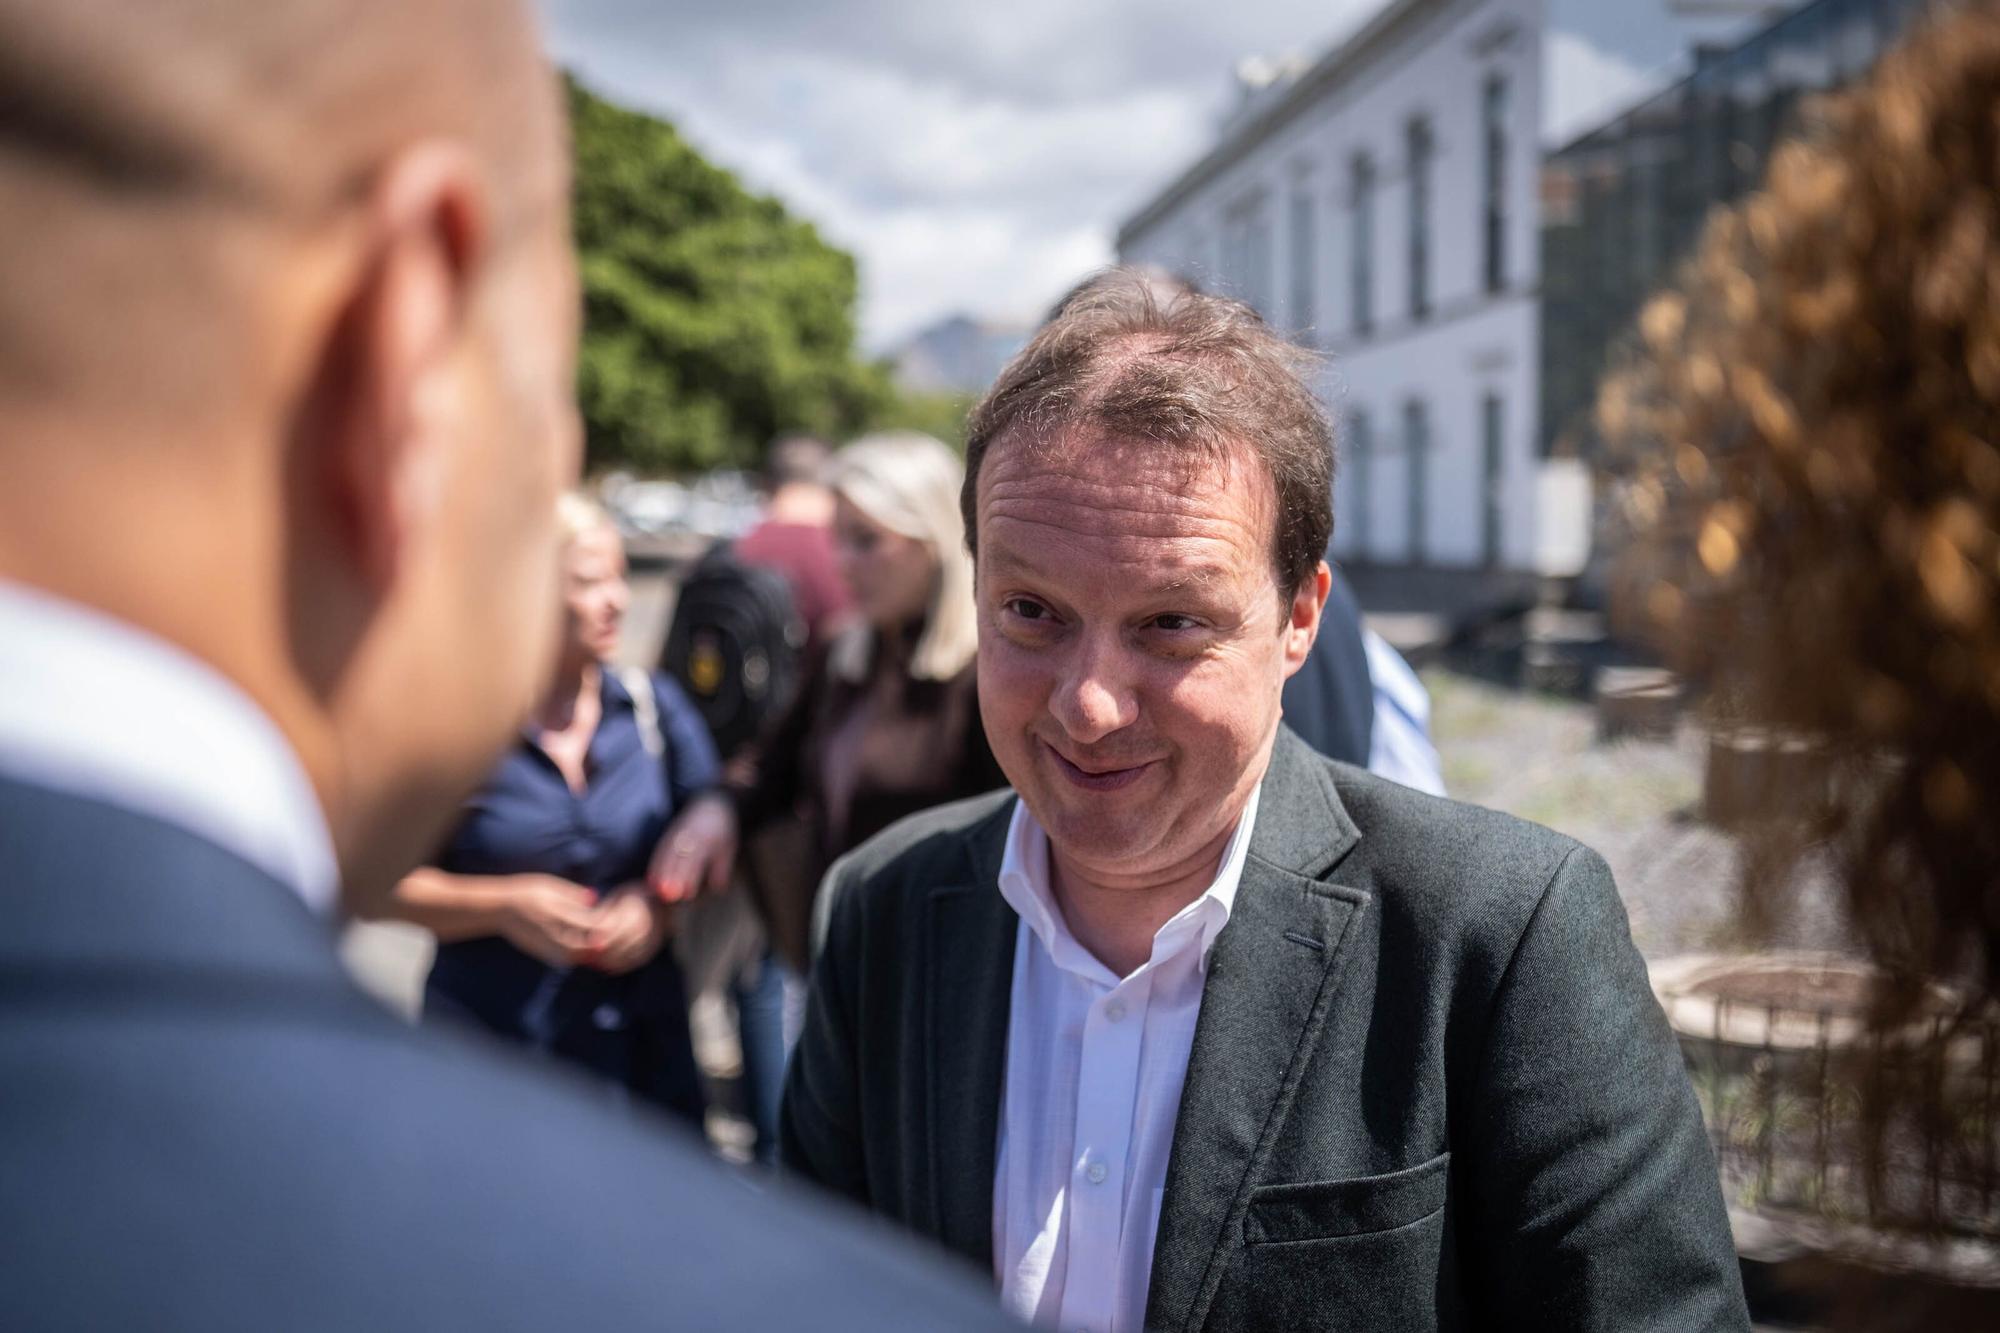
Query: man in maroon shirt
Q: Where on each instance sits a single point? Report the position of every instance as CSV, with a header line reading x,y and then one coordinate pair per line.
x,y
795,535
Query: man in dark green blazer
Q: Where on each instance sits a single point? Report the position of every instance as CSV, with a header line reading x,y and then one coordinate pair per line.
x,y
1201,1030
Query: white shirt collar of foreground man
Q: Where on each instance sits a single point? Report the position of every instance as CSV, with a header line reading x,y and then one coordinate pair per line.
x,y
1095,1065
94,708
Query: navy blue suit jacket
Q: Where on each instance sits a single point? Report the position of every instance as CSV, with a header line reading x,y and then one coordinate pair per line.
x,y
204,1125
1330,700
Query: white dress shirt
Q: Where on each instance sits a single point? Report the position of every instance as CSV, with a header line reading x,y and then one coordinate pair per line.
x,y
92,707
1092,1089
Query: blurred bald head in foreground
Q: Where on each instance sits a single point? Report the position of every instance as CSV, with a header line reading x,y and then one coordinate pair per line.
x,y
287,313
287,319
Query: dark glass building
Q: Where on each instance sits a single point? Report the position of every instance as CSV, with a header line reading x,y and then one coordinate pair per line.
x,y
1623,205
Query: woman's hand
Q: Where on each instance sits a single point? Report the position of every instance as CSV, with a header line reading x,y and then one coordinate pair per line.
x,y
697,854
630,929
549,918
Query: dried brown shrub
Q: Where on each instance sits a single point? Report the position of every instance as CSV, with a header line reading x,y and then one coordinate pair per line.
x,y
1809,456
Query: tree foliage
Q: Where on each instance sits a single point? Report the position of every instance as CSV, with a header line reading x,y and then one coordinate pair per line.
x,y
713,320
940,413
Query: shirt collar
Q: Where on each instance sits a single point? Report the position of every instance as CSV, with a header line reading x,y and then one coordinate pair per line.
x,y
98,709
1025,884
612,697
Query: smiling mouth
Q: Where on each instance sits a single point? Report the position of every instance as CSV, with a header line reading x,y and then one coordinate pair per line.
x,y
1106,779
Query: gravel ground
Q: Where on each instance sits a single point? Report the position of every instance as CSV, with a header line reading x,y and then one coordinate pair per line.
x,y
1637,802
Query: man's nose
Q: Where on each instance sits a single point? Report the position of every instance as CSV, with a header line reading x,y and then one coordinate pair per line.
x,y
1094,697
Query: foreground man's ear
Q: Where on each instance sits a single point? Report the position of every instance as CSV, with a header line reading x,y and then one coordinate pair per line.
x,y
1303,626
386,383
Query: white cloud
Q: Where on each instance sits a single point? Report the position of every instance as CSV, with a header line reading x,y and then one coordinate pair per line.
x,y
1583,85
974,157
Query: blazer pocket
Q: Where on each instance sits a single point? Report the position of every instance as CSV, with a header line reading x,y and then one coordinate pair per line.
x,y
1322,1210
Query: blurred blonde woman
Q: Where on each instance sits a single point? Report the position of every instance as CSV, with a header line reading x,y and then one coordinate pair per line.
x,y
547,932
887,722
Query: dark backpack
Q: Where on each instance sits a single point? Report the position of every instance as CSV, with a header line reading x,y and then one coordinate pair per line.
x,y
736,645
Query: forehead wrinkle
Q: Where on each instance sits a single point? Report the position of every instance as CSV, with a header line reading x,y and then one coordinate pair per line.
x,y
1067,487
1133,506
1089,462
1166,562
1154,574
1115,527
1118,494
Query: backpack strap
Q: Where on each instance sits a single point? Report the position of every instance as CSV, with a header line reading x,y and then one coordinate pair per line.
x,y
638,683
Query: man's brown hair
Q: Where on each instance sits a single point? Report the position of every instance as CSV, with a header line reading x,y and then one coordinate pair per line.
x,y
1129,357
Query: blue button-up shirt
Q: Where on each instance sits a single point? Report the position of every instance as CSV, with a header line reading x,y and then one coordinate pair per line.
x,y
526,819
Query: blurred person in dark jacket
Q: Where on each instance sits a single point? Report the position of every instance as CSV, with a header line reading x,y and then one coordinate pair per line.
x,y
887,723
1808,447
288,320
724,943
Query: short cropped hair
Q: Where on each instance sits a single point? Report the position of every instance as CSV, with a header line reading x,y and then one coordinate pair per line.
x,y
795,460
1138,360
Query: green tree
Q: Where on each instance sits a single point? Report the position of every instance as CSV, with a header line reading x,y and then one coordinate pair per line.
x,y
941,414
713,320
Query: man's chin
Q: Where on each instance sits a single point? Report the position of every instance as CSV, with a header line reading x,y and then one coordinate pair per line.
x,y
1086,830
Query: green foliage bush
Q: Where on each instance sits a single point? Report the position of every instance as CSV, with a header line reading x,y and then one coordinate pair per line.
x,y
713,320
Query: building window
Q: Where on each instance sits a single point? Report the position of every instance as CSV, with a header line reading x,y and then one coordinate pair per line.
x,y
1246,259
1420,154
1257,285
1235,255
1359,448
1492,492
1494,115
1416,449
1305,269
1361,246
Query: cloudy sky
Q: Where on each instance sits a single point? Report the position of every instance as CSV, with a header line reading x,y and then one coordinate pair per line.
x,y
977,155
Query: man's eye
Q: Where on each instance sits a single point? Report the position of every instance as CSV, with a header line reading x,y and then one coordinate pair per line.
x,y
1175,622
1026,609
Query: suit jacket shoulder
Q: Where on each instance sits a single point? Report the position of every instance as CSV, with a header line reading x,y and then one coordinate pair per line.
x,y
947,843
206,1126
1452,869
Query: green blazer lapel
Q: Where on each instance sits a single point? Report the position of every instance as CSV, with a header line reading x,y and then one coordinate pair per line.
x,y
1269,985
972,932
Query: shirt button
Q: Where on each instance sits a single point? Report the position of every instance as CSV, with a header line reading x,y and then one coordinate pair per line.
x,y
1114,1011
1096,1173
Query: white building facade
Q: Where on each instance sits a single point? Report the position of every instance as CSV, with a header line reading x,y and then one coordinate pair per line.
x,y
1381,206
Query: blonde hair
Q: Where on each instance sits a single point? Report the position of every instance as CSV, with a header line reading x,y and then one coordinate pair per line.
x,y
577,513
909,483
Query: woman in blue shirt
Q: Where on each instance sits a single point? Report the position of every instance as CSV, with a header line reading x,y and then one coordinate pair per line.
x,y
547,931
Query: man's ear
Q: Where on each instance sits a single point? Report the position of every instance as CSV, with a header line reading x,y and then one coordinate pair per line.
x,y
1308,601
386,380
